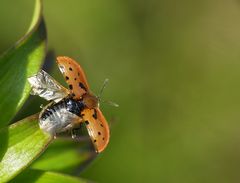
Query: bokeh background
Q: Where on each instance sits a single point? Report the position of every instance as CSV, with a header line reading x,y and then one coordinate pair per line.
x,y
174,69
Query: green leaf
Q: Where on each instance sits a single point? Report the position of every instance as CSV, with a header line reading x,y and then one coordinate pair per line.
x,y
21,143
18,63
38,176
63,156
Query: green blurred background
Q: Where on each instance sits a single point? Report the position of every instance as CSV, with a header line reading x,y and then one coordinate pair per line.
x,y
174,69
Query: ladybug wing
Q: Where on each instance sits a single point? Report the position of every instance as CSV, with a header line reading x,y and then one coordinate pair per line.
x,y
74,76
97,127
55,118
43,85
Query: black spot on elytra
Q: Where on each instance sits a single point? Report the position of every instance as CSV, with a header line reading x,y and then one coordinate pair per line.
x,y
101,125
87,122
82,86
70,87
95,114
67,78
75,79
95,140
99,133
70,68
103,138
78,74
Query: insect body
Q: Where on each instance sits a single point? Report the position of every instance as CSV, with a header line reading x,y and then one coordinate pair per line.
x,y
61,116
69,108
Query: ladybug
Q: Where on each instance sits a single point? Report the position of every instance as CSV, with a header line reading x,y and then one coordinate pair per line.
x,y
70,107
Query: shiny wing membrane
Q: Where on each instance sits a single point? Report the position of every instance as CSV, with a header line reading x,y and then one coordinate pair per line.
x,y
97,127
43,85
55,118
74,76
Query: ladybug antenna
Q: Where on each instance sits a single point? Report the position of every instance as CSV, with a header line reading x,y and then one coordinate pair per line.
x,y
102,88
100,95
111,103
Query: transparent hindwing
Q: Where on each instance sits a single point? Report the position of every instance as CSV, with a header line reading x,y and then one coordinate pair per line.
x,y
45,86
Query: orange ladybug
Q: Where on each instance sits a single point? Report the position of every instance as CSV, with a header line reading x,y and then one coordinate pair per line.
x,y
70,107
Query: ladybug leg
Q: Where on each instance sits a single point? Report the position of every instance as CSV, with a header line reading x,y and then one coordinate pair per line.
x,y
77,135
74,134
